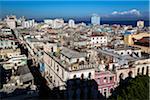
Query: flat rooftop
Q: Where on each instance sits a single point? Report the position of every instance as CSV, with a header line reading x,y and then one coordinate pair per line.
x,y
69,53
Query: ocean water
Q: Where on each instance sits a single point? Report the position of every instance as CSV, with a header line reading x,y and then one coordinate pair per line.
x,y
133,23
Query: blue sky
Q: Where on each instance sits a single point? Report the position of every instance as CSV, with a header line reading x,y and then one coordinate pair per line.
x,y
108,9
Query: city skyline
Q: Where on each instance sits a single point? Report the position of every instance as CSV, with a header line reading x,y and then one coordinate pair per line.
x,y
108,10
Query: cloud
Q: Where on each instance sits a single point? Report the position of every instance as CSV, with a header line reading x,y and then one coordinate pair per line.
x,y
130,12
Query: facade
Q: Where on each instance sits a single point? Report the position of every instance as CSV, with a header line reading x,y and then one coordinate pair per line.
x,y
98,40
134,52
6,31
11,21
6,43
57,23
106,81
8,53
28,23
58,69
95,19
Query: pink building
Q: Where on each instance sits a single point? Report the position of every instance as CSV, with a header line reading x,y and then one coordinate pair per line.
x,y
106,81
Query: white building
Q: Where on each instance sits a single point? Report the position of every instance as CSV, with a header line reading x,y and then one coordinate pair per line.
x,y
11,21
131,51
95,19
48,21
58,69
140,24
28,23
98,40
71,23
57,23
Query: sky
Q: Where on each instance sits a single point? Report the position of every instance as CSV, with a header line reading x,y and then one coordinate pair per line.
x,y
106,9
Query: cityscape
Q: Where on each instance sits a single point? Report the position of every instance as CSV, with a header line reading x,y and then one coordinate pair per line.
x,y
66,50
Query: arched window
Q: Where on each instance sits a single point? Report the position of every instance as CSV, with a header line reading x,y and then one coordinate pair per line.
x,y
105,79
111,90
130,74
121,76
82,76
74,76
142,70
89,76
138,71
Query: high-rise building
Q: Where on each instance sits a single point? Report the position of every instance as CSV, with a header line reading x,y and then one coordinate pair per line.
x,y
95,19
71,23
140,24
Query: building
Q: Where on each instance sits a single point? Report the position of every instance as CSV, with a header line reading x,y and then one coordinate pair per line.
x,y
57,23
28,23
106,81
11,21
97,40
8,53
71,23
48,21
127,50
7,43
66,64
95,19
140,24
6,31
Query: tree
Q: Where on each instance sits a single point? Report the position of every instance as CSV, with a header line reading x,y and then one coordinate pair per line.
x,y
132,89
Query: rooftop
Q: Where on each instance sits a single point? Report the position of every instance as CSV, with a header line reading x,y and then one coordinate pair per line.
x,y
72,53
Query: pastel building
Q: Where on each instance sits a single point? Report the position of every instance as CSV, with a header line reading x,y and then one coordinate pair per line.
x,y
106,81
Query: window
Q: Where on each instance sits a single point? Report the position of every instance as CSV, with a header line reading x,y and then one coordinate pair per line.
x,y
111,78
98,81
12,43
89,76
147,70
105,79
62,74
130,74
138,71
82,76
121,76
52,49
111,90
57,68
74,76
143,71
